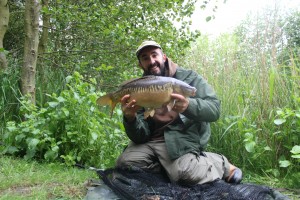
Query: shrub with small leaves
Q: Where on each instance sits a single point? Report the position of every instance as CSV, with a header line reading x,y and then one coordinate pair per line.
x,y
288,129
70,127
288,123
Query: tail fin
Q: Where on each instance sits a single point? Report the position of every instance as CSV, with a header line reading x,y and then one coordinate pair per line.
x,y
107,100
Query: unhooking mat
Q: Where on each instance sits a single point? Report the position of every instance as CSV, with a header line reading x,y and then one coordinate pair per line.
x,y
136,184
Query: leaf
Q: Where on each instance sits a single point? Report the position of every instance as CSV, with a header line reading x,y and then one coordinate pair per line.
x,y
19,137
53,104
76,96
68,79
279,112
94,135
11,127
296,156
250,146
50,155
249,136
30,153
55,148
32,142
295,149
279,121
275,172
35,131
11,150
208,18
284,163
92,108
267,148
66,111
61,99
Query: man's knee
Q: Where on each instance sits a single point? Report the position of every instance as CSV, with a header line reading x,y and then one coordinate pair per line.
x,y
190,170
125,161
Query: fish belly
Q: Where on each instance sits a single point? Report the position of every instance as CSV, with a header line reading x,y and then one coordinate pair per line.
x,y
151,99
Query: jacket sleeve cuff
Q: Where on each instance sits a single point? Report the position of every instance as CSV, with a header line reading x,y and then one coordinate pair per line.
x,y
190,110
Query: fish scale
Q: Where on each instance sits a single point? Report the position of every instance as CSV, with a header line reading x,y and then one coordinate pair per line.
x,y
150,92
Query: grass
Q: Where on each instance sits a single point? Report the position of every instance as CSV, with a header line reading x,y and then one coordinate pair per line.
x,y
21,179
253,93
274,183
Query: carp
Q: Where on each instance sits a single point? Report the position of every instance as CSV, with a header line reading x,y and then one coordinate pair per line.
x,y
150,92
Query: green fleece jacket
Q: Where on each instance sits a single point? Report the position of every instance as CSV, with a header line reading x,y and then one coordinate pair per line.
x,y
193,131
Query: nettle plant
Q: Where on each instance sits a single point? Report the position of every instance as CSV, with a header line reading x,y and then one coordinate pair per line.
x,y
70,127
288,122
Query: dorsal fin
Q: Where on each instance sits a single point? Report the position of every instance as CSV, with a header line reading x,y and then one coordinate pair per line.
x,y
137,79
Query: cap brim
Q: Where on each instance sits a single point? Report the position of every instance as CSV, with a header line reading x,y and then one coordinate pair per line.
x,y
146,44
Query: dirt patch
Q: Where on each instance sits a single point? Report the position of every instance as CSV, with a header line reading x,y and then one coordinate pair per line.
x,y
23,190
53,190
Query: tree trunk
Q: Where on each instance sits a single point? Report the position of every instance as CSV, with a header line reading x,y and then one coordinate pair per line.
x,y
4,18
32,13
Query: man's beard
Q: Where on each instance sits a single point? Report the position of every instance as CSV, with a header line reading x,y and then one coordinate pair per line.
x,y
160,66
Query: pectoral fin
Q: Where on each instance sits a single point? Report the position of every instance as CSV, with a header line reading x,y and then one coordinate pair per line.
x,y
149,112
171,104
113,105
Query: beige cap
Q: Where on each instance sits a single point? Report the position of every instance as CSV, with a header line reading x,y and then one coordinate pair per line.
x,y
146,44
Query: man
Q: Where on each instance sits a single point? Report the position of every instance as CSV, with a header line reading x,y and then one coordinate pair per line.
x,y
174,141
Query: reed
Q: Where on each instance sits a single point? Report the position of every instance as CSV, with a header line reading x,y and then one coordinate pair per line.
x,y
252,93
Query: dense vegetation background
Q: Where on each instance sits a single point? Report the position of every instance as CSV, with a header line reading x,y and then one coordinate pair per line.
x,y
87,48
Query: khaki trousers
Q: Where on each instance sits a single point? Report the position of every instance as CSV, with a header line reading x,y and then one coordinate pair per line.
x,y
188,169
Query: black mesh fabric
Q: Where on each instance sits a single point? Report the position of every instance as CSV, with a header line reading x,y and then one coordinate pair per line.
x,y
136,184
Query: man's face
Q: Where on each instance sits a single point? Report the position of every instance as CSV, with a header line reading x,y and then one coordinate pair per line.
x,y
152,61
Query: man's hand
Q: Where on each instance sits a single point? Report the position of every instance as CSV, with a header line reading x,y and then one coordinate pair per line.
x,y
129,109
181,103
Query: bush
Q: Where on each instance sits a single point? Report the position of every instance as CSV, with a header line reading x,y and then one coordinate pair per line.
x,y
69,127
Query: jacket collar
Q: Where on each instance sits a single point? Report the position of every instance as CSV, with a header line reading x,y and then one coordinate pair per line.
x,y
171,68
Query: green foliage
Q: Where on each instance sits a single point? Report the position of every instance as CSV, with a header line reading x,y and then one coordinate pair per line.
x,y
9,93
255,71
291,25
107,33
259,125
14,37
97,39
290,54
69,127
288,122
